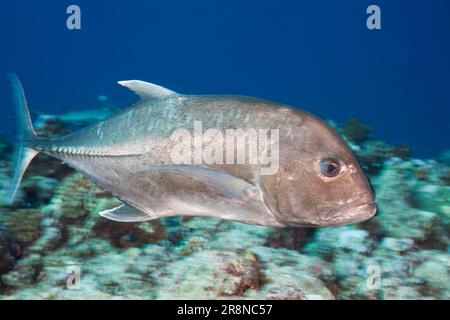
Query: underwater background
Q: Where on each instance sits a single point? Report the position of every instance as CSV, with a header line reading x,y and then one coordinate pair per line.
x,y
386,91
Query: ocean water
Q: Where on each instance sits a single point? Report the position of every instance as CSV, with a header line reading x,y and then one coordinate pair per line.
x,y
318,56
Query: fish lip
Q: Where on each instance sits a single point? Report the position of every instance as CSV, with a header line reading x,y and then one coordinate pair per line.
x,y
354,214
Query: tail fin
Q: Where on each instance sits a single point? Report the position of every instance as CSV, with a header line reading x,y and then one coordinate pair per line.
x,y
26,136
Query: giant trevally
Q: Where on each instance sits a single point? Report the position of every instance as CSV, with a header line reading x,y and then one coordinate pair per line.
x,y
311,179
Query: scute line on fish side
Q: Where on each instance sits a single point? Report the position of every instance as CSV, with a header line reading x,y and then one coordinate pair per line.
x,y
64,151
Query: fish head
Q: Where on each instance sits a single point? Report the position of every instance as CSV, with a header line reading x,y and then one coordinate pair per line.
x,y
320,182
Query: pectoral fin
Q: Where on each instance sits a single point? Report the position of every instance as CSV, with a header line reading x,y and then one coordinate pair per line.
x,y
222,182
125,213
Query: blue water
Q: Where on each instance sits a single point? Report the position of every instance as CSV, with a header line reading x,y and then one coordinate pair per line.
x,y
316,55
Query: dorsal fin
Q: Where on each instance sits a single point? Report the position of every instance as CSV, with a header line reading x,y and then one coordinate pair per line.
x,y
146,90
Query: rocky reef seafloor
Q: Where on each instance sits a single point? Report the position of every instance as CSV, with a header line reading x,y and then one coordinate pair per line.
x,y
54,245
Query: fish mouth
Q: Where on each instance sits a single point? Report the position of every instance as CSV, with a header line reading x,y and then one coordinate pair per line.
x,y
350,213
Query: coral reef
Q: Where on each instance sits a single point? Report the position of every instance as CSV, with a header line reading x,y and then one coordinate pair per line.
x,y
25,224
54,228
126,235
223,274
9,251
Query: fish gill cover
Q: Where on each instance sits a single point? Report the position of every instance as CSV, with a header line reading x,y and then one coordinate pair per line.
x,y
320,57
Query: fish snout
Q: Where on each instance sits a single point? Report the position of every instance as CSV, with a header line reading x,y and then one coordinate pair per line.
x,y
362,212
350,213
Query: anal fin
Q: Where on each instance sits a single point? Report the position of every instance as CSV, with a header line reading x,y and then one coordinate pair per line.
x,y
125,213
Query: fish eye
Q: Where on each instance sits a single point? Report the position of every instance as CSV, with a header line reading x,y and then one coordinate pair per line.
x,y
330,167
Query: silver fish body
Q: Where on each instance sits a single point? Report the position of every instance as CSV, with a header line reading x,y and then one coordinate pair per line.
x,y
131,155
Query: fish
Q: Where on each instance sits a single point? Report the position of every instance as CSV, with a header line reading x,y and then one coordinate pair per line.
x,y
149,157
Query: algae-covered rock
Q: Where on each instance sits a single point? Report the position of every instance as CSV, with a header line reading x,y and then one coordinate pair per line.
x,y
434,198
71,196
210,274
192,245
125,235
52,128
105,273
290,275
334,241
25,272
216,233
434,270
356,130
9,251
398,245
25,224
235,235
290,238
39,189
396,215
347,250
